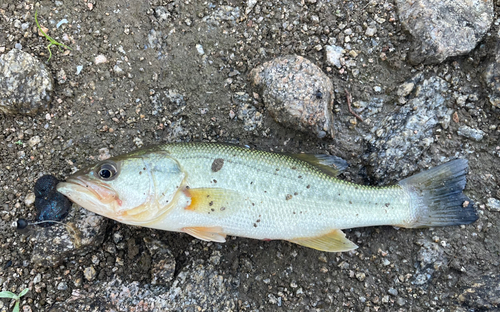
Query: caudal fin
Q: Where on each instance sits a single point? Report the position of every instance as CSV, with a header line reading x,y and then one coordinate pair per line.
x,y
437,197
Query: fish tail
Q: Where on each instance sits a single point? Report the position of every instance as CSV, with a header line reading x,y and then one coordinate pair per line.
x,y
437,198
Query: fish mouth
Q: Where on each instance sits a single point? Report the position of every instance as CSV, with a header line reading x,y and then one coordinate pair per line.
x,y
101,191
90,194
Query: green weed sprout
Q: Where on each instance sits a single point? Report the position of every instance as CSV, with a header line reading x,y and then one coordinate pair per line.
x,y
11,295
49,38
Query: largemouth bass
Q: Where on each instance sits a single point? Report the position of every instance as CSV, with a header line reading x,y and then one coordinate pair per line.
x,y
211,190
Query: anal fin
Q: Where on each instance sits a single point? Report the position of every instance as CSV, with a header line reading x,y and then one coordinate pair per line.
x,y
334,241
209,234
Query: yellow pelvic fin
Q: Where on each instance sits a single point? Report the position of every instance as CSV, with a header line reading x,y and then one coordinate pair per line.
x,y
210,200
209,234
333,241
329,164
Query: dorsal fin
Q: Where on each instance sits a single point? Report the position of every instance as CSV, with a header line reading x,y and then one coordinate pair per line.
x,y
329,164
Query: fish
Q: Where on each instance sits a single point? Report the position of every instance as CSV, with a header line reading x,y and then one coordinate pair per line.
x,y
212,190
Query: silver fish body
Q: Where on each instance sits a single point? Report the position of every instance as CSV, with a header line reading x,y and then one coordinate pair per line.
x,y
212,190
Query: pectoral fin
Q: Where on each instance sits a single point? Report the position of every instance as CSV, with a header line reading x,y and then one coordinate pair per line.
x,y
211,200
333,241
209,234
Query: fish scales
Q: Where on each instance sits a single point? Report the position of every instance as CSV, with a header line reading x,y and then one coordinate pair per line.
x,y
287,194
211,190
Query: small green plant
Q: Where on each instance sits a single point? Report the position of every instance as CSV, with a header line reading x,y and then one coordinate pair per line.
x,y
49,38
19,142
11,295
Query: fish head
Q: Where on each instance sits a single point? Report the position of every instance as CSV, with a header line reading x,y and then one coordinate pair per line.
x,y
134,189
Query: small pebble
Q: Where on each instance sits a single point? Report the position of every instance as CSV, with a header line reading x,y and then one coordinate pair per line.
x,y
30,199
401,301
334,55
200,50
361,276
62,286
89,273
468,132
370,31
493,204
34,141
100,59
393,292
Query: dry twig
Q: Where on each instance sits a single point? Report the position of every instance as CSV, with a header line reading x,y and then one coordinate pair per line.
x,y
349,99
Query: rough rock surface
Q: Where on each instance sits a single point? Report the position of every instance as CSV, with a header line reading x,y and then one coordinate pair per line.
x,y
430,258
296,94
59,242
163,262
468,132
397,143
444,28
493,204
482,293
334,54
164,90
198,287
492,77
251,117
25,83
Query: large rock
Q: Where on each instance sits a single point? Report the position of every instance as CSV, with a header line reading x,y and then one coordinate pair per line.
x,y
492,77
482,293
198,287
397,142
296,93
25,83
57,243
444,28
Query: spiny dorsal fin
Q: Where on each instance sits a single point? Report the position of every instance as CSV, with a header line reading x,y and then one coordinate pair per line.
x,y
329,164
333,241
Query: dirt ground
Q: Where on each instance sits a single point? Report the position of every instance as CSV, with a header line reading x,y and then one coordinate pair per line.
x,y
157,86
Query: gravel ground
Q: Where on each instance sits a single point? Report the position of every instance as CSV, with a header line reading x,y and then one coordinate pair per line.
x,y
149,72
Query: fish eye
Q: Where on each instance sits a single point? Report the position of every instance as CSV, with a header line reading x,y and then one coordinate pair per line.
x,y
107,171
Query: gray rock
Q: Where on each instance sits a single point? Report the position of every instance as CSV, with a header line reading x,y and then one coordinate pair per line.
x,y
334,55
430,258
163,262
296,93
251,117
468,132
393,292
25,83
482,293
198,287
492,77
493,204
371,31
89,273
368,109
56,243
444,28
398,141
